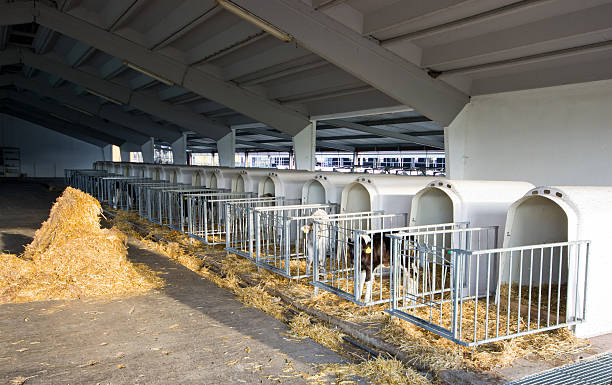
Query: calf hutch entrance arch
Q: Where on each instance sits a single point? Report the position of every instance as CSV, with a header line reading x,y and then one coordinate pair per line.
x,y
268,187
325,188
314,192
213,179
238,182
196,179
156,174
284,184
390,193
481,203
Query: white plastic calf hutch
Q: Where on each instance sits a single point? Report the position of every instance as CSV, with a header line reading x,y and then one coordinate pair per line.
x,y
566,215
214,178
284,184
390,193
325,188
246,180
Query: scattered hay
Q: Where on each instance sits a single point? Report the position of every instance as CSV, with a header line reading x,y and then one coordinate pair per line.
x,y
424,347
302,327
176,252
71,256
256,296
381,370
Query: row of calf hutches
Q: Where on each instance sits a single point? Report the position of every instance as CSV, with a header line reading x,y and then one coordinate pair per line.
x,y
390,193
523,214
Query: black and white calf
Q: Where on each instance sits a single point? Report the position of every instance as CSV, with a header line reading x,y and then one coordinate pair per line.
x,y
376,254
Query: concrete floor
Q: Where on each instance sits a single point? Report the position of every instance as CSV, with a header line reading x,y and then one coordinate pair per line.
x,y
191,332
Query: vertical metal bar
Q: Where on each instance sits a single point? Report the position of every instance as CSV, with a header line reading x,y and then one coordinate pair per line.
x,y
530,289
586,276
476,294
551,261
509,293
540,285
486,333
454,291
520,285
559,281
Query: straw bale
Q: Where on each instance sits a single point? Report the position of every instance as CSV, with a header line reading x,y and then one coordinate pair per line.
x,y
71,256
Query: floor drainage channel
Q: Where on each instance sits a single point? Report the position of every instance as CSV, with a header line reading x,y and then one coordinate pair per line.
x,y
593,372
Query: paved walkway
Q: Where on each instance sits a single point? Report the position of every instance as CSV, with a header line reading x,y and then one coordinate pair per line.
x,y
192,332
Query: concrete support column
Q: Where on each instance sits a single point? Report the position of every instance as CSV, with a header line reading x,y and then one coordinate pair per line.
x,y
179,150
226,148
107,153
304,146
148,151
125,152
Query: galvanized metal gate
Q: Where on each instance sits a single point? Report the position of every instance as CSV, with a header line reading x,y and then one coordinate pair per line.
x,y
206,215
178,210
359,255
240,234
280,244
459,285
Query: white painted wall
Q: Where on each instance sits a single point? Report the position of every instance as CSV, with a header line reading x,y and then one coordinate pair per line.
x,y
46,153
547,136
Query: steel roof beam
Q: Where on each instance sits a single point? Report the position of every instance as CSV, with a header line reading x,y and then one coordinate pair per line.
x,y
109,112
94,123
58,125
180,115
385,133
262,145
201,82
361,57
591,24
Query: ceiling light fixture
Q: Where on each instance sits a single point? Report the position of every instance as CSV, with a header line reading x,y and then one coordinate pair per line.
x,y
148,73
246,15
112,100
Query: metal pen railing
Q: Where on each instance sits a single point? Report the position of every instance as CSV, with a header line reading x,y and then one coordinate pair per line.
x,y
459,285
206,215
358,254
240,228
280,243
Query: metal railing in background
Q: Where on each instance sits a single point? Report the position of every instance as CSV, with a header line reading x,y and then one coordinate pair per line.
x,y
240,230
137,192
280,242
156,201
459,285
87,181
206,216
115,191
178,215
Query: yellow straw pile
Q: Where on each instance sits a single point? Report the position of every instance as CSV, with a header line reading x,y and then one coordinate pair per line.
x,y
71,256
